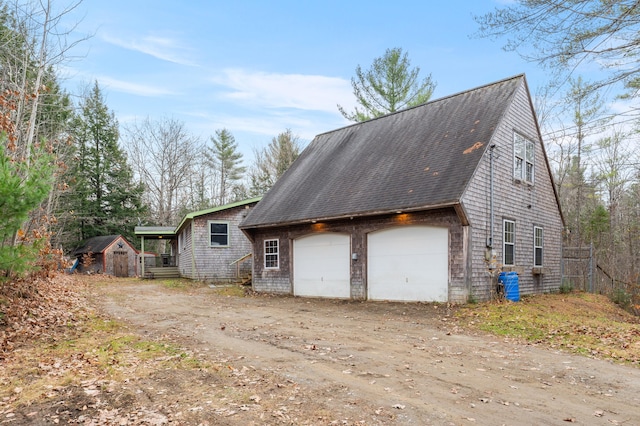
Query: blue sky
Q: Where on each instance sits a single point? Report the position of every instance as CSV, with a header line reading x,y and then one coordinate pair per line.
x,y
260,67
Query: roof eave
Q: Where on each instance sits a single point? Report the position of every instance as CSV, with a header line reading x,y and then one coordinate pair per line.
x,y
140,231
193,215
370,213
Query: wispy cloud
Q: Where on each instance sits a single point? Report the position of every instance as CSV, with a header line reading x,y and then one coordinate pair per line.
x,y
113,84
272,90
132,88
163,48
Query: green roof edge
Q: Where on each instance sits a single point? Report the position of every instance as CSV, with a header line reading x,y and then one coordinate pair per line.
x,y
192,215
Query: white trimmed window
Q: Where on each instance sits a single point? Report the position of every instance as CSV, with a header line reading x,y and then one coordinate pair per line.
x,y
509,242
523,158
538,239
271,254
218,234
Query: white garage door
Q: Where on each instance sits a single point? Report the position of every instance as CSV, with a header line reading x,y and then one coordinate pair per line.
x,y
408,264
321,266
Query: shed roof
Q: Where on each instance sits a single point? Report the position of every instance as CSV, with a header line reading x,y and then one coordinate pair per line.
x,y
418,158
97,244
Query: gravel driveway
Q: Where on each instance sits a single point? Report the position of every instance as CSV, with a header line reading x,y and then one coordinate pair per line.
x,y
383,363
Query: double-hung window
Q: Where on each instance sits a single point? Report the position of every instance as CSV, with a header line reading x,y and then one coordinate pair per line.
x,y
538,238
523,158
271,254
219,234
509,242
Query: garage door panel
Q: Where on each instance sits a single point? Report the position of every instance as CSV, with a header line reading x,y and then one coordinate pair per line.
x,y
321,265
408,264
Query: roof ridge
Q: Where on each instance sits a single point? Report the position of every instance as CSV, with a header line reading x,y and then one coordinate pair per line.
x,y
484,86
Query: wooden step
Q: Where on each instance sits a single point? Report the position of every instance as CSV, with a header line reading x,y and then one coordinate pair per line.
x,y
167,272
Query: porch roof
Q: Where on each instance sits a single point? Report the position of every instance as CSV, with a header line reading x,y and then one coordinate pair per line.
x,y
155,232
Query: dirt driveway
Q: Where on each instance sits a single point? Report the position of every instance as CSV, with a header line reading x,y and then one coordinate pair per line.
x,y
381,363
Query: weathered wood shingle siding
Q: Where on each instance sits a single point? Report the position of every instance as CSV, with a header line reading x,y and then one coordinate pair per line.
x,y
102,253
280,280
527,205
132,257
213,262
185,252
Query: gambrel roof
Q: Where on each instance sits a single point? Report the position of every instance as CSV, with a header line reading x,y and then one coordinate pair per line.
x,y
415,159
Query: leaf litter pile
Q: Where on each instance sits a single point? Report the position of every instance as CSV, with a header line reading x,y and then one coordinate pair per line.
x,y
62,362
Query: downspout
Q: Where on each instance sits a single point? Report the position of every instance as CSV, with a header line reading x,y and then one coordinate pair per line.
x,y
491,255
491,218
142,245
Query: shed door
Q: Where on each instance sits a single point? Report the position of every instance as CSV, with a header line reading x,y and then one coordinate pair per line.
x,y
120,263
321,265
408,264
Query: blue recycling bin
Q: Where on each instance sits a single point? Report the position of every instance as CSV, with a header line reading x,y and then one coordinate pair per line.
x,y
511,285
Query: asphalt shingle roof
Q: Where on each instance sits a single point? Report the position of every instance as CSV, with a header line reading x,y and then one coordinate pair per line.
x,y
95,244
422,157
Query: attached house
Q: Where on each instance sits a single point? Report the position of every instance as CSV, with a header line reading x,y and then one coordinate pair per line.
x,y
109,254
207,244
426,204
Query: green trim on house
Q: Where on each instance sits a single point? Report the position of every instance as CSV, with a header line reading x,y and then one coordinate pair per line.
x,y
191,216
171,232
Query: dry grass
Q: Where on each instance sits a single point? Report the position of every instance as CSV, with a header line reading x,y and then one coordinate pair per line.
x,y
582,323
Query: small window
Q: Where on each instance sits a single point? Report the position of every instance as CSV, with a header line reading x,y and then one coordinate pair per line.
x,y
538,239
523,158
271,254
219,234
509,242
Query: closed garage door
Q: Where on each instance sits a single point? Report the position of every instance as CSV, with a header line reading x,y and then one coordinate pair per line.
x,y
321,265
408,264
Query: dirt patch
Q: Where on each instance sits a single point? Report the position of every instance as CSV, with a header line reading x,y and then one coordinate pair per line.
x,y
284,360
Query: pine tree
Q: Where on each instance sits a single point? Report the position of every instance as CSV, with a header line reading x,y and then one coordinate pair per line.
x,y
22,188
103,198
388,86
225,159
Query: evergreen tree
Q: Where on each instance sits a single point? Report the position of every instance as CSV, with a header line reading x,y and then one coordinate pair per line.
x,y
33,105
388,86
22,188
103,198
224,157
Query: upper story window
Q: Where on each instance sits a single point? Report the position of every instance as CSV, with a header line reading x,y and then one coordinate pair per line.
x,y
538,238
271,254
509,242
523,158
219,234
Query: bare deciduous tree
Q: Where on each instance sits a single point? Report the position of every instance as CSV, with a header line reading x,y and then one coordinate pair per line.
x,y
271,162
562,35
163,154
